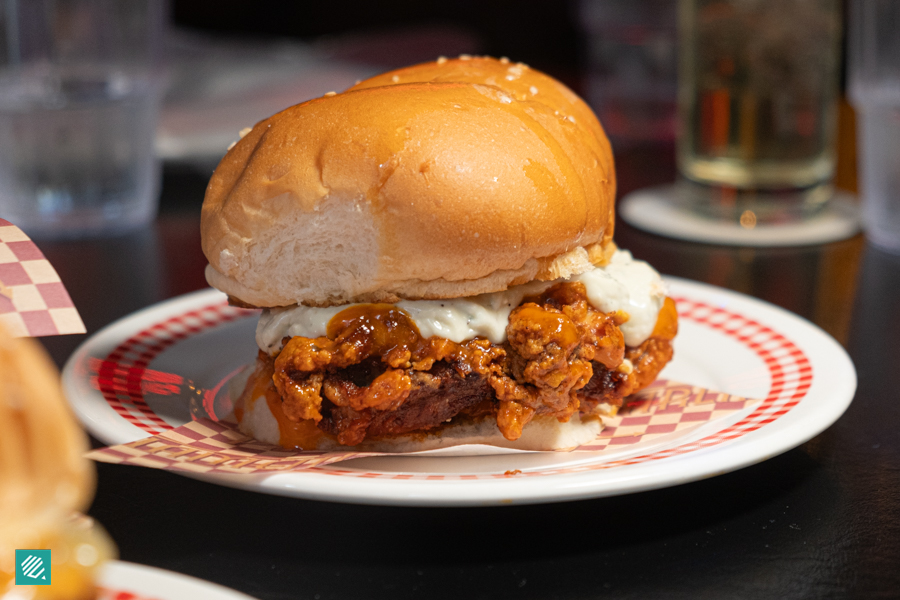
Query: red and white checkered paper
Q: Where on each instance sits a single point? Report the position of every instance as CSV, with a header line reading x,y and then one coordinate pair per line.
x,y
665,408
33,300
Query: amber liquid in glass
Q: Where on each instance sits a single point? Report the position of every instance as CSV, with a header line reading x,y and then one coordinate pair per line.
x,y
757,95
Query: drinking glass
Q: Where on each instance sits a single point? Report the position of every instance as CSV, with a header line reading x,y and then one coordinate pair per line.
x,y
80,84
758,85
874,70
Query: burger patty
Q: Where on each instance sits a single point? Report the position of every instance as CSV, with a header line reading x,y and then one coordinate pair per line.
x,y
435,398
374,376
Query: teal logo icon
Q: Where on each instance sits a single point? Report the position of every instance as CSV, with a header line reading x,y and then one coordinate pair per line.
x,y
32,567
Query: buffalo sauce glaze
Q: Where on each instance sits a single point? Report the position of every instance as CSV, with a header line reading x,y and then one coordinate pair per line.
x,y
667,322
359,333
651,356
294,435
556,336
553,340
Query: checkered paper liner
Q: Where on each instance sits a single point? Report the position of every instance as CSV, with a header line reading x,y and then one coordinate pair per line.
x,y
33,300
664,410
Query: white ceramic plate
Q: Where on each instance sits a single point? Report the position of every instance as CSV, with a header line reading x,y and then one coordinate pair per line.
x,y
127,581
139,375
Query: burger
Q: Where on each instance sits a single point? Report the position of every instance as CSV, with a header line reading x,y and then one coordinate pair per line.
x,y
432,253
44,479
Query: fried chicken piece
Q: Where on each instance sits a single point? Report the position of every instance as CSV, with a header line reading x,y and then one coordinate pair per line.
x,y
374,375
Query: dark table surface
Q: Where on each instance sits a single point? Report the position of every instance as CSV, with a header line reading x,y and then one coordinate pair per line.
x,y
821,520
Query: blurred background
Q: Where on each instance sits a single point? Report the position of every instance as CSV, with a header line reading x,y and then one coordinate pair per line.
x,y
232,63
237,62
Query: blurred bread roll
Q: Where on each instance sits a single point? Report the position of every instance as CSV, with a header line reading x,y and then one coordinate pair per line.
x,y
42,469
44,478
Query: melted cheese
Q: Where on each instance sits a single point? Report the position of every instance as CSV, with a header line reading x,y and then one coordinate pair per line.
x,y
627,285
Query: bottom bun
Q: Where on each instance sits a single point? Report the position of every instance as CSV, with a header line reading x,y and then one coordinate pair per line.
x,y
542,433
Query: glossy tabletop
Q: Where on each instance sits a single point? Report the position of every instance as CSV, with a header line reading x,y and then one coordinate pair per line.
x,y
822,520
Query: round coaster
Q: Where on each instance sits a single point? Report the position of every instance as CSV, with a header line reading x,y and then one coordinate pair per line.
x,y
656,210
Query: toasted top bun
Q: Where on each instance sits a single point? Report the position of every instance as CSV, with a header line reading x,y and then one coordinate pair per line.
x,y
43,473
517,79
451,181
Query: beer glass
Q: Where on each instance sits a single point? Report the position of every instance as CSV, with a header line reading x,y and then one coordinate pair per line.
x,y
758,84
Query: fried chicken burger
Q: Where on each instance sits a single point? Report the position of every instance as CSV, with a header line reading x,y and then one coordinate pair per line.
x,y
432,250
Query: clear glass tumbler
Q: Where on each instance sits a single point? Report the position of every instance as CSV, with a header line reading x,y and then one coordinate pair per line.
x,y
874,70
80,84
758,85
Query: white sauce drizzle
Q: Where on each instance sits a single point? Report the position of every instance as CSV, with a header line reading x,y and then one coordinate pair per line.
x,y
627,285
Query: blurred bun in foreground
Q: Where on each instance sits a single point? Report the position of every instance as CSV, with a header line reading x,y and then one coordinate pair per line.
x,y
44,478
